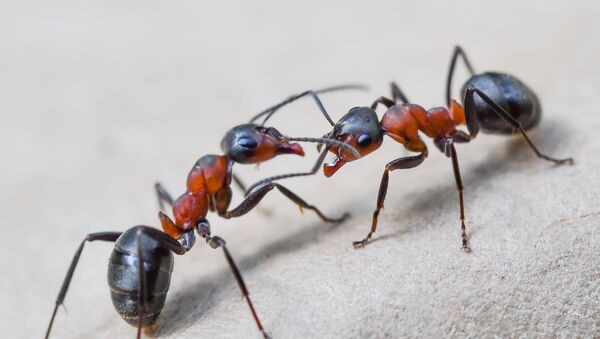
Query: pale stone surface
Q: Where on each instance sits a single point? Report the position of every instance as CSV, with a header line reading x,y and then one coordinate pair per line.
x,y
100,99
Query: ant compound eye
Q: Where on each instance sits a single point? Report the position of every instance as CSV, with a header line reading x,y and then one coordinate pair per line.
x,y
247,142
364,140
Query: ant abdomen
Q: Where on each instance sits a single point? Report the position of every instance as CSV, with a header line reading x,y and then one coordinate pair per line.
x,y
509,93
123,276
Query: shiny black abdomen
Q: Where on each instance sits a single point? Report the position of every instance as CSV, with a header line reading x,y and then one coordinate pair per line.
x,y
509,93
123,276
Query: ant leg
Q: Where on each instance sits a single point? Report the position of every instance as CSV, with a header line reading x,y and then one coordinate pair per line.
x,y
163,196
240,184
271,110
314,170
166,241
401,163
398,94
102,236
216,242
256,195
473,121
459,186
458,51
387,102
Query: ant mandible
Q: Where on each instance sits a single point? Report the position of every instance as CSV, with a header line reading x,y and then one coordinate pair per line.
x,y
141,263
495,102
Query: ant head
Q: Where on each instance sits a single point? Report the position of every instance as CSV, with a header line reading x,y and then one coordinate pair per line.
x,y
253,144
360,129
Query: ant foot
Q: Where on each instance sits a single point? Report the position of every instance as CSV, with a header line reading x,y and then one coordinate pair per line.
x,y
466,248
362,243
569,161
265,335
215,242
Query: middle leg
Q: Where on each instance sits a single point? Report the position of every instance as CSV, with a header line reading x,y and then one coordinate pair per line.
x,y
215,242
460,188
401,163
259,192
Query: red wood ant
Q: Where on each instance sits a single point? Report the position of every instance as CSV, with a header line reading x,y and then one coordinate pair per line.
x,y
141,263
209,180
208,183
495,102
139,273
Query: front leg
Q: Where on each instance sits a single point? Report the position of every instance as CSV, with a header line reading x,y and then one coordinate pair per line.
x,y
259,192
401,163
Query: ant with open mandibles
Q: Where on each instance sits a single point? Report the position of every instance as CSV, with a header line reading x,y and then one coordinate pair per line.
x,y
495,102
209,180
141,262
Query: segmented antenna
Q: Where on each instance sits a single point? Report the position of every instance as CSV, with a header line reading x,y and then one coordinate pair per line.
x,y
271,110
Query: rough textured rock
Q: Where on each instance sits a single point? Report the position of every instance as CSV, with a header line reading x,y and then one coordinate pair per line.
x,y
99,100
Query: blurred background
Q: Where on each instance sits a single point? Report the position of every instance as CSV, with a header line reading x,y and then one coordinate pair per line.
x,y
100,99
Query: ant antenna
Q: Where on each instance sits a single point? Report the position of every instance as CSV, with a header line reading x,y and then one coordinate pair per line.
x,y
322,141
271,110
328,142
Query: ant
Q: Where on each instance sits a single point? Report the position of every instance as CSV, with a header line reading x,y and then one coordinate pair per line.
x,y
209,180
141,263
139,273
495,102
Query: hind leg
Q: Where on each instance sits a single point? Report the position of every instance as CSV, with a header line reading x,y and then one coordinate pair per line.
x,y
473,121
102,236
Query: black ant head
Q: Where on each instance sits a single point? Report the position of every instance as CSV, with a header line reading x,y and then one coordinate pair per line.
x,y
253,144
360,129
